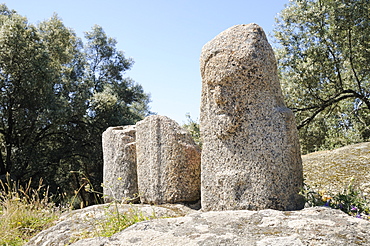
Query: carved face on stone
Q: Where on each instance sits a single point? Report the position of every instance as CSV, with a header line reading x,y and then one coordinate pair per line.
x,y
235,71
222,92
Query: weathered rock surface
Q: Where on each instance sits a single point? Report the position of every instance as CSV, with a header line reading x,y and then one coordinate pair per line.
x,y
251,155
311,226
119,172
84,222
333,170
168,162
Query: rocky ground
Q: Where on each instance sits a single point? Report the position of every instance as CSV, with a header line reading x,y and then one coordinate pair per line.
x,y
83,223
329,170
333,170
310,226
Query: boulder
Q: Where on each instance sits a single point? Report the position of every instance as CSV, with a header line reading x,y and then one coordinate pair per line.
x,y
119,171
310,226
251,154
168,162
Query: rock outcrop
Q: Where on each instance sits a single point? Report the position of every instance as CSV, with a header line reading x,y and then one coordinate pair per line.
x,y
310,226
334,170
168,162
85,222
119,172
251,155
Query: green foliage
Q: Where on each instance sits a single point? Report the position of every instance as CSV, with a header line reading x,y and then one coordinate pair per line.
x,y
324,55
57,95
193,127
350,200
24,212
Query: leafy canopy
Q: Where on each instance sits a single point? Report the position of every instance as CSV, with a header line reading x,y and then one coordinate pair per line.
x,y
58,94
324,55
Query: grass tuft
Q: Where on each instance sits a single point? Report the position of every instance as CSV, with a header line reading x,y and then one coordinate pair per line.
x,y
24,211
112,222
117,221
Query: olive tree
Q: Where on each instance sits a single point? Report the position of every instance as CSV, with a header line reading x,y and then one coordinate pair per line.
x,y
58,94
323,51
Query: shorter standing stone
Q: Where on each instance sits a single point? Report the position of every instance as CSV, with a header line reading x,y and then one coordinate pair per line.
x,y
119,172
168,162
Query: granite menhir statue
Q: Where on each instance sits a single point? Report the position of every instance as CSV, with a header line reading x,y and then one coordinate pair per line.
x,y
251,156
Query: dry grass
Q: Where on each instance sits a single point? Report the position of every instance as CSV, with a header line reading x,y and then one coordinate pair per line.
x,y
24,212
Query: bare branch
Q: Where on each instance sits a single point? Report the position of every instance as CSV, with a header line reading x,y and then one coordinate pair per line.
x,y
325,105
330,101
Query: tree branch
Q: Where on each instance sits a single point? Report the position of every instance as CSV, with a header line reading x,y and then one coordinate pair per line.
x,y
336,67
351,60
341,96
361,97
325,102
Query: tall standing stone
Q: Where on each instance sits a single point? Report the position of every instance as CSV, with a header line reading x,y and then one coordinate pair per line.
x,y
119,171
168,162
251,155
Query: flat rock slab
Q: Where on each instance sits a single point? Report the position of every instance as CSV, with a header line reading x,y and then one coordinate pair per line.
x,y
83,222
310,226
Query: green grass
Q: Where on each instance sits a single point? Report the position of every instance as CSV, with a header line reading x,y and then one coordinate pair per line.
x,y
24,212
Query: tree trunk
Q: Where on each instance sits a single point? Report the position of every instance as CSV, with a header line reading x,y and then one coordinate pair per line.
x,y
2,165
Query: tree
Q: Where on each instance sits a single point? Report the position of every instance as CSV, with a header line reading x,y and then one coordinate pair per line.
x,y
26,71
57,97
324,55
108,100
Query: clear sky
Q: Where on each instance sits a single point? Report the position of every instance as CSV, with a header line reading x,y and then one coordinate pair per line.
x,y
164,37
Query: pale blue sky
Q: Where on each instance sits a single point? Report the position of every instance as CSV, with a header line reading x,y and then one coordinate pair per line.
x,y
164,37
